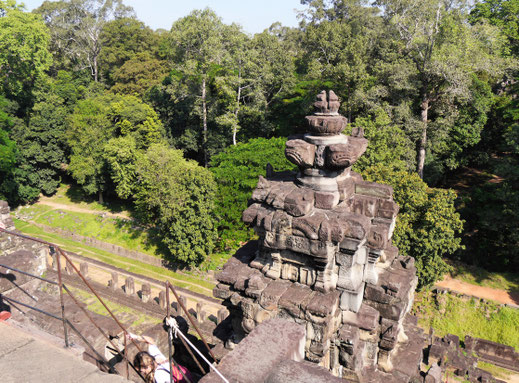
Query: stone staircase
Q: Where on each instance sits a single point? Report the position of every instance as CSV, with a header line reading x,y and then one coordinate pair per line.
x,y
27,355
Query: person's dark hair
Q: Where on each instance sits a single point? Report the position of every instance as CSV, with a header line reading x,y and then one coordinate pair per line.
x,y
144,359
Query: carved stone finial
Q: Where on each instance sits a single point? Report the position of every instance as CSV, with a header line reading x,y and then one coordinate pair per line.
x,y
326,121
324,238
322,103
327,105
333,102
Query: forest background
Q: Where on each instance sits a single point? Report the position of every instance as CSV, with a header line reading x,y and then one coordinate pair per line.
x,y
179,124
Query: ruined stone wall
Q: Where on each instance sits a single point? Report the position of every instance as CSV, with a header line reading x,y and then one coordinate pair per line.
x,y
5,217
29,256
495,353
7,242
447,353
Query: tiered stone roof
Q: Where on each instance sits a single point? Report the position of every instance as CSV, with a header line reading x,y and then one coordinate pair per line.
x,y
324,257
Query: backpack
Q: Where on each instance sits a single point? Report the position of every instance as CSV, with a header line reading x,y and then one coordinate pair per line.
x,y
177,375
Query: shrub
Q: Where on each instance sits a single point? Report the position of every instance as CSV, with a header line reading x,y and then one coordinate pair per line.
x,y
236,171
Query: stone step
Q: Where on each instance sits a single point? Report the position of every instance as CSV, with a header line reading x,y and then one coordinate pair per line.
x,y
27,357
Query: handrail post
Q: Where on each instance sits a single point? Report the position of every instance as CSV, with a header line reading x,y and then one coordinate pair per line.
x,y
170,338
202,370
125,355
188,315
96,295
60,285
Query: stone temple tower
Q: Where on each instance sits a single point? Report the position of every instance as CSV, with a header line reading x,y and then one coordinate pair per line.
x,y
324,258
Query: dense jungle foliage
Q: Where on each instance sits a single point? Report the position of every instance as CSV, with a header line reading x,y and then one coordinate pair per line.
x,y
180,123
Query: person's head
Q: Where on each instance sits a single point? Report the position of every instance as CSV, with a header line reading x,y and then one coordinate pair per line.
x,y
145,364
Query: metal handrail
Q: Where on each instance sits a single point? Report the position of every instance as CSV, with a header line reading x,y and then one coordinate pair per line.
x,y
60,284
168,306
115,348
29,274
60,251
53,247
188,315
100,329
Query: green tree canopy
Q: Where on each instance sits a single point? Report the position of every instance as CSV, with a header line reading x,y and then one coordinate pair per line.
x,y
338,40
24,54
7,150
93,124
269,74
40,137
388,143
121,154
90,130
177,196
491,207
42,143
122,39
503,14
137,75
76,27
199,46
445,52
8,154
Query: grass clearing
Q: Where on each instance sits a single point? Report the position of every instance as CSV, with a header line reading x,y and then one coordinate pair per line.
x,y
496,371
449,314
481,277
31,212
190,282
74,195
117,231
114,230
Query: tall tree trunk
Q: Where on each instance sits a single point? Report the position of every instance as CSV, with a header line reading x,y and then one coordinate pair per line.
x,y
423,140
234,128
96,79
204,121
100,194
